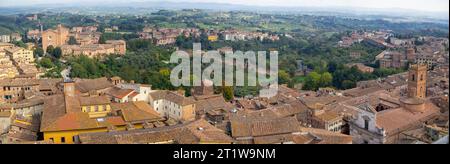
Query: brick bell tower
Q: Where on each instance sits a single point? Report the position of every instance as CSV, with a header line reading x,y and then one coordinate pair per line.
x,y
417,81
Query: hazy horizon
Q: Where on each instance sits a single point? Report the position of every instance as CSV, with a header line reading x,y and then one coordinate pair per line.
x,y
418,5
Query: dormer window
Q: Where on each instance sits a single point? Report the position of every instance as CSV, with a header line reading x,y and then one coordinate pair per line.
x,y
366,124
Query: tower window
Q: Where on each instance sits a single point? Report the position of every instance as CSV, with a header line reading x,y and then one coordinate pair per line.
x,y
366,124
413,77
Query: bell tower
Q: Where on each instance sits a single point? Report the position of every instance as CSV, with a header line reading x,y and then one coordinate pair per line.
x,y
417,81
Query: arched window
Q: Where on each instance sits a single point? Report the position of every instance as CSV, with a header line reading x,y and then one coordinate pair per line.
x,y
366,124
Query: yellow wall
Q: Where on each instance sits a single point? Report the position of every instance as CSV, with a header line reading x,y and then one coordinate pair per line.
x,y
68,135
102,112
188,113
213,38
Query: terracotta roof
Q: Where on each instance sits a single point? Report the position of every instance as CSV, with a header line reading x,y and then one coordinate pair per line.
x,y
49,84
5,114
247,104
212,104
173,97
284,90
86,85
358,92
273,139
305,136
120,93
190,133
13,49
136,111
278,111
329,116
100,100
19,82
31,102
248,128
64,113
134,94
328,137
312,101
395,120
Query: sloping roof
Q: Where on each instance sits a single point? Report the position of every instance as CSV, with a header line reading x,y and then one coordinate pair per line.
x,y
136,111
328,137
173,97
100,100
398,119
62,113
19,82
252,128
279,111
86,85
5,114
212,104
119,93
13,49
190,133
329,116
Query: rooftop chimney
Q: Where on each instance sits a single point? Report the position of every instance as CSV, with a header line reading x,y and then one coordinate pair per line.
x,y
69,88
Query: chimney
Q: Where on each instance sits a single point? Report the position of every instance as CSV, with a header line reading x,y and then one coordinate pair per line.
x,y
69,89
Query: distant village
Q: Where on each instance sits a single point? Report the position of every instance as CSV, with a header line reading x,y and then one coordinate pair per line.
x,y
408,108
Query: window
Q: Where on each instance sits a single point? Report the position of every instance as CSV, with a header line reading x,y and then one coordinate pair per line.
x,y
413,77
366,124
63,140
421,77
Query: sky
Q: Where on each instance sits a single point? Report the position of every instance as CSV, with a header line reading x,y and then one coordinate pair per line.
x,y
422,5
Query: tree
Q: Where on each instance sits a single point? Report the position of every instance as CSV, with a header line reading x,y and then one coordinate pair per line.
x,y
72,40
228,93
57,52
332,66
78,71
38,52
283,77
102,39
46,63
50,49
20,44
312,81
315,80
326,79
347,84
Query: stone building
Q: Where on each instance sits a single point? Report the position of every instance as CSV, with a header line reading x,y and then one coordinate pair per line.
x,y
417,81
55,37
20,55
95,50
393,59
173,105
382,119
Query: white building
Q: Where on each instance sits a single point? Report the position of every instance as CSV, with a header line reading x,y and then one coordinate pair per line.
x,y
141,91
173,105
5,38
